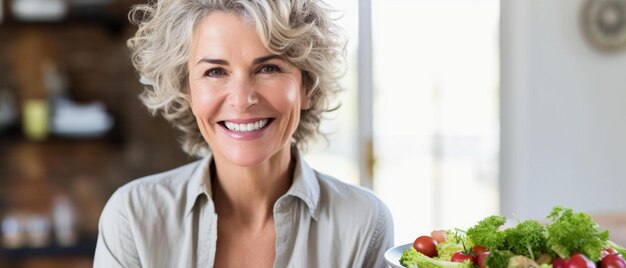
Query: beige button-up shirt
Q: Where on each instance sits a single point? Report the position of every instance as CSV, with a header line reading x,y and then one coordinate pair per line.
x,y
169,220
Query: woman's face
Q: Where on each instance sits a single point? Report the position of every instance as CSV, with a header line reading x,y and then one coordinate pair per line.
x,y
246,100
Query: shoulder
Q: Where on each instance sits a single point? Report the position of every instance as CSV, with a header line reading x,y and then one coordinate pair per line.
x,y
340,192
352,201
155,192
171,179
163,184
141,208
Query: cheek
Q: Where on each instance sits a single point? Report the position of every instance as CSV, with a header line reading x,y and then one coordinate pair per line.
x,y
289,97
203,103
293,94
290,107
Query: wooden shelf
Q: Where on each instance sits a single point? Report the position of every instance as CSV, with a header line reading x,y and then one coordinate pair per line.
x,y
84,248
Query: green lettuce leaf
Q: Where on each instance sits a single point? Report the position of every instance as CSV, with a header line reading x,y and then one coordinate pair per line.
x,y
413,259
572,232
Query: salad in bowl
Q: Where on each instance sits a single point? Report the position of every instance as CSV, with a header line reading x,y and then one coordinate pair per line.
x,y
568,240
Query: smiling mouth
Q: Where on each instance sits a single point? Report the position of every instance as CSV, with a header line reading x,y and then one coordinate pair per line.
x,y
246,127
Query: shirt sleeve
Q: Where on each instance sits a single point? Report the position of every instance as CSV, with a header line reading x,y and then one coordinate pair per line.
x,y
382,239
115,246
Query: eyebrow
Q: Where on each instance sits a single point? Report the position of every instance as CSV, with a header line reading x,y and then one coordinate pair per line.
x,y
255,61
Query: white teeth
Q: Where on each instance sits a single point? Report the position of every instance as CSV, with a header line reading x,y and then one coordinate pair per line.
x,y
246,127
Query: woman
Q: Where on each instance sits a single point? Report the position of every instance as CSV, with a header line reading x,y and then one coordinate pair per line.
x,y
248,82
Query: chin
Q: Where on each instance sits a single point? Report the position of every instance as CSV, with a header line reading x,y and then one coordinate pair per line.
x,y
246,161
247,158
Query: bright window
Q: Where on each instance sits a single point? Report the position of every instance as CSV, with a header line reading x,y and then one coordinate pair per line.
x,y
435,112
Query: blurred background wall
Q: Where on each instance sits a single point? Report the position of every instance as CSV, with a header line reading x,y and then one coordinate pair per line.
x,y
563,112
563,109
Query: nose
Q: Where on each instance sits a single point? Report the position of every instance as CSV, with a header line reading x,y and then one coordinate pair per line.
x,y
242,94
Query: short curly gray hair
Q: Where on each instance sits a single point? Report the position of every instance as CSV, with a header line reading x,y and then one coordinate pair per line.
x,y
300,30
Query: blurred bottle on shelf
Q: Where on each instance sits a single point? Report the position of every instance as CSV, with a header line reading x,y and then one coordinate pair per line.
x,y
33,47
64,216
25,230
39,103
38,231
35,119
35,230
12,232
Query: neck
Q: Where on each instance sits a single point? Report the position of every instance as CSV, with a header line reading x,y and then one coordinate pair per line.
x,y
248,194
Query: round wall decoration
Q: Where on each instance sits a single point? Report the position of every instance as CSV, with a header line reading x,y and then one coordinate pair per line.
x,y
604,23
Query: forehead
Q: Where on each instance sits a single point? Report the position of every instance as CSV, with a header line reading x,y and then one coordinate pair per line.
x,y
220,32
222,19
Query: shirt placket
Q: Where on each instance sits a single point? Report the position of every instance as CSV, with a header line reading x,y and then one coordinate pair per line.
x,y
283,229
207,236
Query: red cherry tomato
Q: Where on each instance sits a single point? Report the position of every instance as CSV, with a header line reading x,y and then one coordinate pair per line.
x,y
479,249
578,260
608,251
426,245
613,261
481,259
439,236
559,263
459,256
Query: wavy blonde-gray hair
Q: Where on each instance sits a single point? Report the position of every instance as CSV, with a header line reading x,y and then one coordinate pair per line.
x,y
302,31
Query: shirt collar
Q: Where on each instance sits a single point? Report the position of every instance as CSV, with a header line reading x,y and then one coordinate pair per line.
x,y
199,184
304,186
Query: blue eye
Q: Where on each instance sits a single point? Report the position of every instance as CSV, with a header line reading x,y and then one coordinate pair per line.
x,y
215,72
269,69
